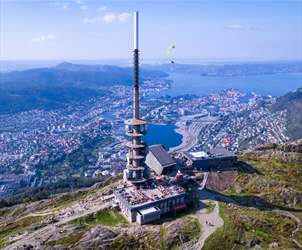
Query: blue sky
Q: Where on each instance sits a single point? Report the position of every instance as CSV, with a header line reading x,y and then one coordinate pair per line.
x,y
79,29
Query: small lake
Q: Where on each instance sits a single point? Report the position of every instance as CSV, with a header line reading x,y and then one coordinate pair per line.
x,y
274,84
162,134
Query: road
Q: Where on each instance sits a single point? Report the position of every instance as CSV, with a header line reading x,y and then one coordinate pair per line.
x,y
204,181
191,133
39,236
190,136
208,195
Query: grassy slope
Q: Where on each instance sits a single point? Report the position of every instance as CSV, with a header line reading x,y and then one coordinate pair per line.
x,y
106,217
164,237
18,226
279,183
292,102
21,220
242,225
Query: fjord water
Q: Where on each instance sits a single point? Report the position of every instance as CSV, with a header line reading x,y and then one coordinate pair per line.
x,y
270,84
162,134
274,84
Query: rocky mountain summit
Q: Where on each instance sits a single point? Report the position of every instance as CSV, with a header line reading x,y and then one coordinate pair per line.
x,y
290,152
259,206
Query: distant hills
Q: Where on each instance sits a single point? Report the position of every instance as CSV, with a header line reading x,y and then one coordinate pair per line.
x,y
292,102
75,75
48,88
231,69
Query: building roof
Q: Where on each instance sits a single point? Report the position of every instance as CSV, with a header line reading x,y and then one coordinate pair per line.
x,y
161,155
199,154
212,153
148,210
152,191
221,152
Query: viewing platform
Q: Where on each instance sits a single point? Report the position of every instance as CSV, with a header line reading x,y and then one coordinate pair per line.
x,y
133,168
135,122
131,133
138,181
131,156
130,144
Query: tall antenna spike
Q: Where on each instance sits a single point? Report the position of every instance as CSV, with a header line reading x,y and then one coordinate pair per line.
x,y
136,69
136,27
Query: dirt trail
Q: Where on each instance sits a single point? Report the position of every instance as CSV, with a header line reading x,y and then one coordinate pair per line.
x,y
209,222
294,219
284,213
36,238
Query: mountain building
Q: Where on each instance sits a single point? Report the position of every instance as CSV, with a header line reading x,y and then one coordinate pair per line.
x,y
143,198
159,160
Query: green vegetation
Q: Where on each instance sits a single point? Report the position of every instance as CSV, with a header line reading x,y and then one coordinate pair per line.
x,y
67,198
270,177
292,102
74,163
210,206
35,194
278,182
106,217
4,212
162,238
148,240
191,229
224,237
18,226
175,234
242,225
68,240
67,168
275,181
167,236
123,242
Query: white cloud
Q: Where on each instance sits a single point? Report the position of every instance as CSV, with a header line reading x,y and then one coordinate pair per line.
x,y
62,5
115,17
84,7
65,6
234,27
45,38
92,20
102,8
108,18
123,17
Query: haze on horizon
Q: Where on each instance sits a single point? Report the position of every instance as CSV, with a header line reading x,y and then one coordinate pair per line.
x,y
93,30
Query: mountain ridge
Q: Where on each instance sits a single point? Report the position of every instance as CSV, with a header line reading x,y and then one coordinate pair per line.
x,y
53,87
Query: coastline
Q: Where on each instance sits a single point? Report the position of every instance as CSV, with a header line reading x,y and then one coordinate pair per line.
x,y
189,135
181,131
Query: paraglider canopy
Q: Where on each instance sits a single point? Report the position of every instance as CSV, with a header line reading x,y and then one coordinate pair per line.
x,y
169,52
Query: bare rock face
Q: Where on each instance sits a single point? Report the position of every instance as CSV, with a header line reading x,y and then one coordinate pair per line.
x,y
291,197
220,181
287,152
140,237
97,238
175,233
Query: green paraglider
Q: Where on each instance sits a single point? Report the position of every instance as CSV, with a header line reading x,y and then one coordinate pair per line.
x,y
169,53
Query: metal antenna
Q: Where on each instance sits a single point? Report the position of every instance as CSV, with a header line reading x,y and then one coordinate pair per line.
x,y
136,69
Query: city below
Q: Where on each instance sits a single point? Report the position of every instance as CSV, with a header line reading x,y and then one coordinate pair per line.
x,y
41,147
